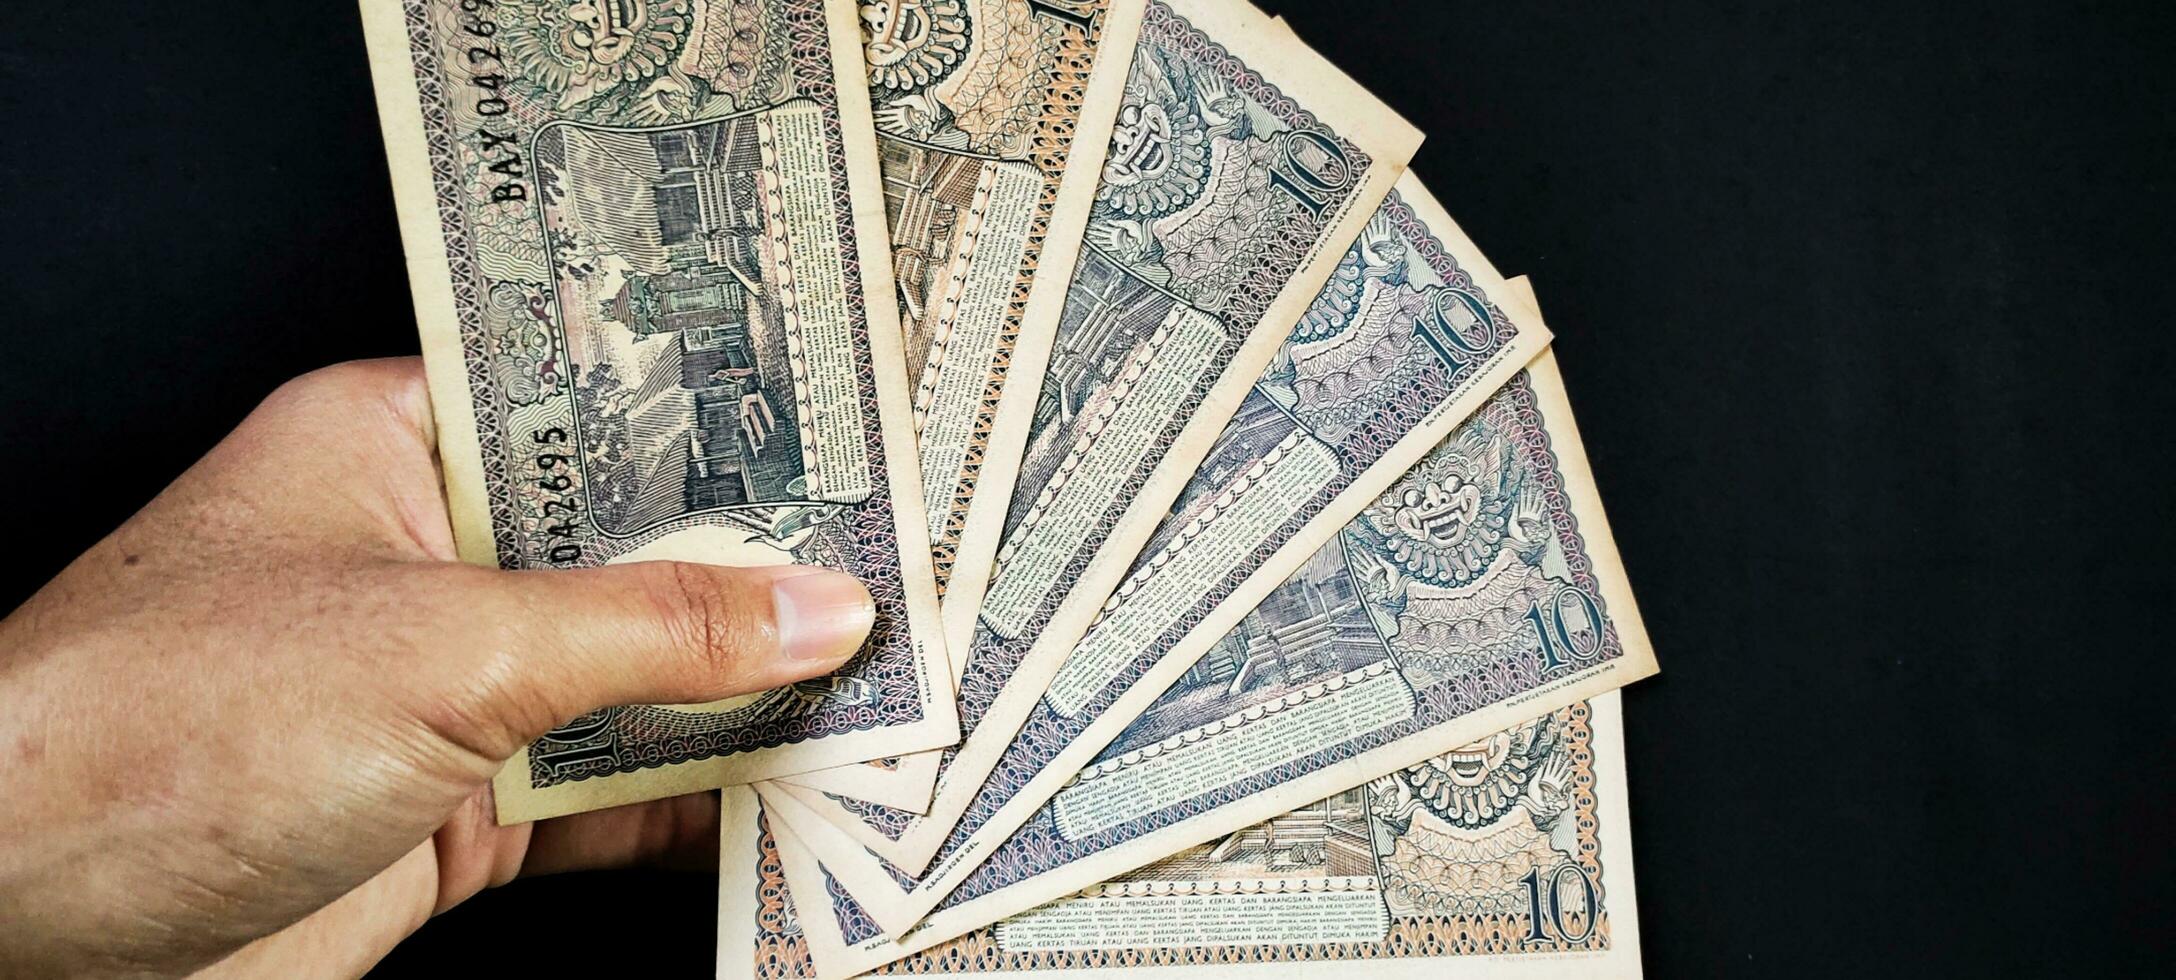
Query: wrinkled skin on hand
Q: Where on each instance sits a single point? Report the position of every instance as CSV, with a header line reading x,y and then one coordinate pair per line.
x,y
253,730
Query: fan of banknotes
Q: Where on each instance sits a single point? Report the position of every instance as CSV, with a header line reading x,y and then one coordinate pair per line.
x,y
1243,594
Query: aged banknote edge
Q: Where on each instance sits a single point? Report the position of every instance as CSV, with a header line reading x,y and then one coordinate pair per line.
x,y
430,277
976,551
395,31
1267,52
747,860
1543,941
897,907
759,936
1635,660
866,875
877,888
837,811
902,783
802,874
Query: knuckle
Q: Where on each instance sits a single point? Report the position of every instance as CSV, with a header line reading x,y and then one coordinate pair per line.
x,y
346,388
315,387
485,715
485,701
710,615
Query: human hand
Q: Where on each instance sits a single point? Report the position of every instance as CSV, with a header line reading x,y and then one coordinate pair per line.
x,y
265,712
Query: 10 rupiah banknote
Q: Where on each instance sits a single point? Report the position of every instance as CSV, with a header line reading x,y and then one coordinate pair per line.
x,y
642,239
1506,857
992,117
1521,871
1479,590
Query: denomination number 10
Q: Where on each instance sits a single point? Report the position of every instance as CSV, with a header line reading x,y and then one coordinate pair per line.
x,y
1050,8
1544,903
1558,645
1315,168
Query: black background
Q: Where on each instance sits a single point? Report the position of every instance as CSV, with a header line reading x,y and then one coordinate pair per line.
x,y
1862,305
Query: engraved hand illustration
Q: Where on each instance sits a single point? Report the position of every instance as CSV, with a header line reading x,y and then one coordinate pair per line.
x,y
1528,529
254,728
904,119
1382,252
1401,803
670,97
1218,105
1551,790
1124,240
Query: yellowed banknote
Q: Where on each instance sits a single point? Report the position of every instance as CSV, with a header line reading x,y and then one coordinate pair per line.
x,y
647,247
992,119
1508,857
901,783
1411,334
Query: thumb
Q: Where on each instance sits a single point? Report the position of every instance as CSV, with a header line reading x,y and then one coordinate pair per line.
x,y
556,644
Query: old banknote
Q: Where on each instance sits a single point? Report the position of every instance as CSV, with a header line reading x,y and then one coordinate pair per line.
x,y
1409,335
1240,167
1507,857
641,237
992,117
1479,590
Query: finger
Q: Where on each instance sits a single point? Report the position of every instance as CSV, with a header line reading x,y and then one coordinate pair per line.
x,y
348,936
527,650
475,853
472,853
679,834
679,632
344,453
387,395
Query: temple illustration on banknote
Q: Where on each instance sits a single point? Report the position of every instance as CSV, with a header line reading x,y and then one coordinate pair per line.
x,y
1313,628
935,202
682,347
641,289
1328,841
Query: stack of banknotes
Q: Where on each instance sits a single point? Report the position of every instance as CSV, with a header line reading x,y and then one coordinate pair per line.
x,y
1245,604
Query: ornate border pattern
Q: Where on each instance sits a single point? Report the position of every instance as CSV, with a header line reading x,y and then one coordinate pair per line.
x,y
993,660
1049,148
